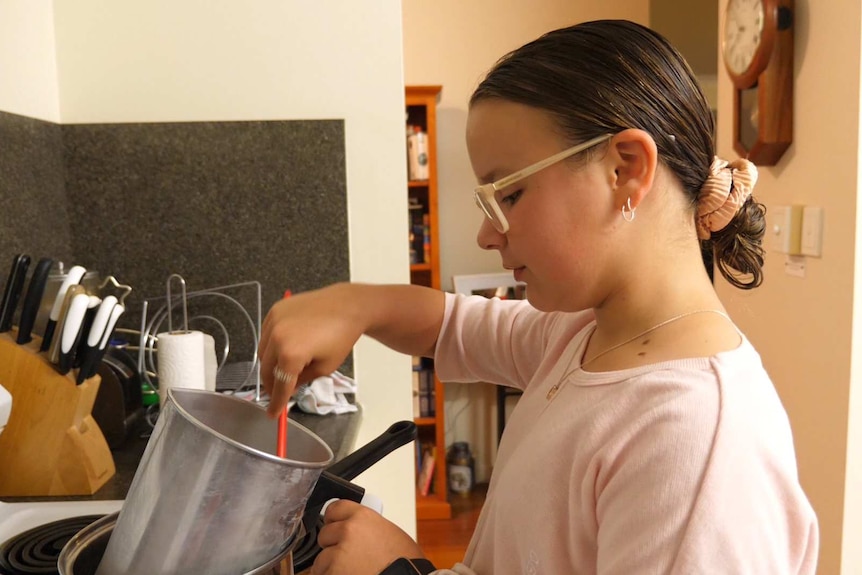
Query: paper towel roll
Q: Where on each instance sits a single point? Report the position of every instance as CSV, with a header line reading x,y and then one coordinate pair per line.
x,y
182,363
210,362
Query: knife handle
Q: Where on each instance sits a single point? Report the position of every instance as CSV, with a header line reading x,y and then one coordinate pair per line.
x,y
12,293
54,349
89,348
95,358
86,328
71,331
33,299
72,278
48,336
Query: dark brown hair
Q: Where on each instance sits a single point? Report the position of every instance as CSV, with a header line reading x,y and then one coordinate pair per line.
x,y
609,75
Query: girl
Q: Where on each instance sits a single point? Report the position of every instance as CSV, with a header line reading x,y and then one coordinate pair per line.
x,y
649,438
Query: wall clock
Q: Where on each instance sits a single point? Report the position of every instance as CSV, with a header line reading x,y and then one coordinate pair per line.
x,y
757,49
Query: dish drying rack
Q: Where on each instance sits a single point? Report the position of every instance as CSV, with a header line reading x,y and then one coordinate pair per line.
x,y
209,306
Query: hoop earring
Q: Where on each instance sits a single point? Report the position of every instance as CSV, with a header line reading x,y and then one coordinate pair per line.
x,y
628,211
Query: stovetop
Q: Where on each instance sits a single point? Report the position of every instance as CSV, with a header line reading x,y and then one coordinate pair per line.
x,y
32,534
19,517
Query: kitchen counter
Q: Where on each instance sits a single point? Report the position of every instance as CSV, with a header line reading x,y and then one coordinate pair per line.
x,y
337,431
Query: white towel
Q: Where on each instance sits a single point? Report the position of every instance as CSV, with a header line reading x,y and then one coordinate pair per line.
x,y
325,395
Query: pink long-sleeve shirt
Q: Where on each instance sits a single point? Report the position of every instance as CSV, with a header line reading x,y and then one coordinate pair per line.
x,y
683,466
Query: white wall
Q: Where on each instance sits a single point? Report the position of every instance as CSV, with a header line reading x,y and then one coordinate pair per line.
x,y
808,329
28,69
161,61
454,43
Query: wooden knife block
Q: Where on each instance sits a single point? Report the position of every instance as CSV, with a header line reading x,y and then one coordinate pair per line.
x,y
51,446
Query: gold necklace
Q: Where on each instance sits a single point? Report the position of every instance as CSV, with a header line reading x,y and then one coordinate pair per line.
x,y
553,391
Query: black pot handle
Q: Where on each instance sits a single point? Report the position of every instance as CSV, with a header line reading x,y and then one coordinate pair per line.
x,y
399,433
331,486
334,482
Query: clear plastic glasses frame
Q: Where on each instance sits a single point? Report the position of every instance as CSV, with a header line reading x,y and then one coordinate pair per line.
x,y
485,195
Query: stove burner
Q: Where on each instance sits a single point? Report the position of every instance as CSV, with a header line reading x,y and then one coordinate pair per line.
x,y
37,550
306,549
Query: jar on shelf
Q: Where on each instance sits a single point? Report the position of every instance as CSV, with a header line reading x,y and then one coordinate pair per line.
x,y
417,154
460,467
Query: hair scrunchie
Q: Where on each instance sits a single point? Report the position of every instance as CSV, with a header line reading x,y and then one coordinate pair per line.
x,y
725,190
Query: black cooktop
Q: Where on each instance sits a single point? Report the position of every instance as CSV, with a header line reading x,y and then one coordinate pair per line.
x,y
37,550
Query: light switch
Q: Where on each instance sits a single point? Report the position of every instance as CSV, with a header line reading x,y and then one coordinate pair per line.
x,y
812,231
786,228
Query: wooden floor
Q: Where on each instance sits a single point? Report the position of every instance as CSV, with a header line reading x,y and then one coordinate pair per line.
x,y
444,541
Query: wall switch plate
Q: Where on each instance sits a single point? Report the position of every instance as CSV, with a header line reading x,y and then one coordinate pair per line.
x,y
786,229
812,231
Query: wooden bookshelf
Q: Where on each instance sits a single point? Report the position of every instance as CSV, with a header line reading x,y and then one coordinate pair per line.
x,y
421,103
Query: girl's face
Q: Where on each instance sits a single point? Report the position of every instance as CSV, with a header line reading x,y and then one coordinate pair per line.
x,y
560,219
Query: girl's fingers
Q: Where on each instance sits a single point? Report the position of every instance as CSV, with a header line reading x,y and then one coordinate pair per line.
x,y
284,382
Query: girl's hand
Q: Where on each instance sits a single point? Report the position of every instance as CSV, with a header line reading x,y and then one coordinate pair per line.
x,y
357,540
304,337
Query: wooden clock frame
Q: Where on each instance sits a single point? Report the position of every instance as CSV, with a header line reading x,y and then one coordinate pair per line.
x,y
771,74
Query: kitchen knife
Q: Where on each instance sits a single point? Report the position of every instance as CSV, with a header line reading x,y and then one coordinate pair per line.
x,y
116,312
86,325
12,293
54,349
72,278
33,300
90,345
71,331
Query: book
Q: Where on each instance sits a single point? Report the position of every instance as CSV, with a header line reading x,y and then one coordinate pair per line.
x,y
426,238
426,472
427,397
417,409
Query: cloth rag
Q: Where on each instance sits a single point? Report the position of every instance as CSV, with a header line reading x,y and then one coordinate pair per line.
x,y
326,395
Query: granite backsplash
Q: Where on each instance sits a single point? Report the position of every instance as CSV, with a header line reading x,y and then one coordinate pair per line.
x,y
219,203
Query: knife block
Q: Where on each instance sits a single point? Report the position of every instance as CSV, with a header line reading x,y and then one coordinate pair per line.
x,y
51,446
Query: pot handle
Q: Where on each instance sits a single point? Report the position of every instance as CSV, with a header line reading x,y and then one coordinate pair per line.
x,y
334,482
331,486
399,433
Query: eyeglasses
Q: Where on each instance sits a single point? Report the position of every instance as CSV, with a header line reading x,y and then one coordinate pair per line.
x,y
485,194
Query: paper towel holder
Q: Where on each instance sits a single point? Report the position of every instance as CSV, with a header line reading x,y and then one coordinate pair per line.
x,y
170,304
237,304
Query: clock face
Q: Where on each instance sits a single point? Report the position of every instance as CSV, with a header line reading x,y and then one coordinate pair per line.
x,y
743,31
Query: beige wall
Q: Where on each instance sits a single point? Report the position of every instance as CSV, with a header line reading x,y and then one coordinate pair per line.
x,y
225,60
805,327
28,67
691,26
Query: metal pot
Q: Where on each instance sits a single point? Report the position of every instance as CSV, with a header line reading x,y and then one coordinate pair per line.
x,y
83,553
209,495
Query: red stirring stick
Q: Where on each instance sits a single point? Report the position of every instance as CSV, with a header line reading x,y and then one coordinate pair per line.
x,y
281,441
